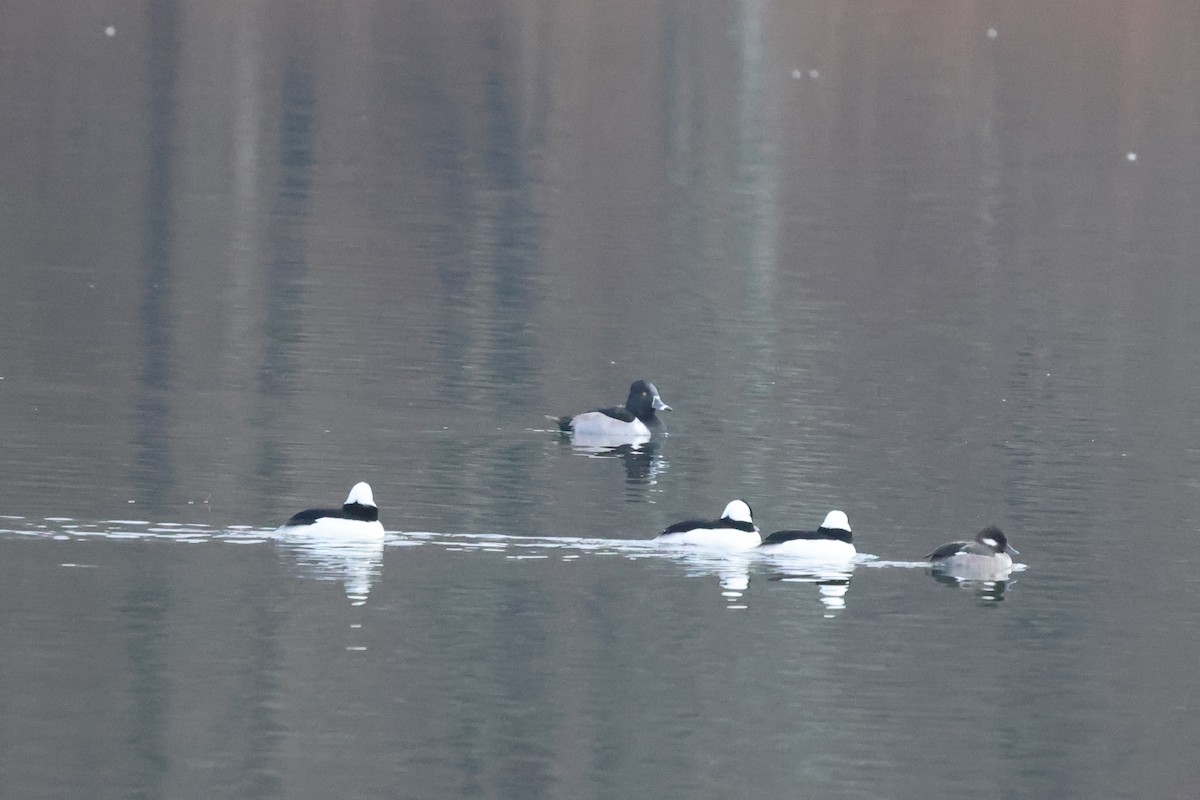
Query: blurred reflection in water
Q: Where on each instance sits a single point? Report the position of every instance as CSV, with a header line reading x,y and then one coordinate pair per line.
x,y
732,570
831,580
355,562
643,460
991,589
153,472
285,273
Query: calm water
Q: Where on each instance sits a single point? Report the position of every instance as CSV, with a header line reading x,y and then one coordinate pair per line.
x,y
934,264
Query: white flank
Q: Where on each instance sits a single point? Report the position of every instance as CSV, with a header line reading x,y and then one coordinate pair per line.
x,y
728,539
824,551
594,423
976,568
335,528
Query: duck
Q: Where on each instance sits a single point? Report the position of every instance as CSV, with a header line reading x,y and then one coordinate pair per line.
x,y
735,530
830,542
637,418
988,557
358,516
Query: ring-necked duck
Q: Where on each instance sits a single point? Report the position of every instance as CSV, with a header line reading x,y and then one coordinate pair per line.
x,y
636,418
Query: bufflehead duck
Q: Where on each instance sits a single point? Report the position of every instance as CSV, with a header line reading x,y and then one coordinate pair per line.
x,y
735,530
358,515
986,558
830,542
635,418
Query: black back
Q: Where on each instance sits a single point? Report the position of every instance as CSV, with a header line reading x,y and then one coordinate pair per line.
x,y
947,550
711,524
618,412
778,537
355,511
688,525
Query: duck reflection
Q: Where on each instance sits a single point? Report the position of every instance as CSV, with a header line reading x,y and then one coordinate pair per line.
x,y
832,580
641,455
357,562
988,585
732,570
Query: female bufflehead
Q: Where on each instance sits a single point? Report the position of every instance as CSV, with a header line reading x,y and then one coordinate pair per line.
x,y
987,556
358,516
735,530
830,542
635,418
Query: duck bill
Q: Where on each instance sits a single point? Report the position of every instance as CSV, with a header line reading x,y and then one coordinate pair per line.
x,y
659,405
1012,551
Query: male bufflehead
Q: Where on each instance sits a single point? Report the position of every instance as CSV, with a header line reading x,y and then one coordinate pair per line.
x,y
830,542
635,418
735,530
986,557
358,515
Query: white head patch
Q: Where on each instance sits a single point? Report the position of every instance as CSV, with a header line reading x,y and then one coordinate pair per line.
x,y
989,541
836,520
738,511
361,494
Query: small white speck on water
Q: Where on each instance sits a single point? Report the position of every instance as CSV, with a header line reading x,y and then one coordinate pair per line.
x,y
797,74
110,31
812,73
1131,156
992,33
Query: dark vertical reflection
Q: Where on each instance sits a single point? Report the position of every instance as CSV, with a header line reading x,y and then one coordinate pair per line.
x,y
682,102
443,156
485,331
152,470
524,686
512,262
488,283
145,613
286,239
262,686
514,251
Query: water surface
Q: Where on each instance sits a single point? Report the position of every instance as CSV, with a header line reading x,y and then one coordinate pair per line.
x,y
933,265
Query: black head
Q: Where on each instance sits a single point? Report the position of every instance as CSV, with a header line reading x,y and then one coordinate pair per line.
x,y
643,400
993,537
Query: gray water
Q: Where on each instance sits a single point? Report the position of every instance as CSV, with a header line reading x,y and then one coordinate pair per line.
x,y
935,264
